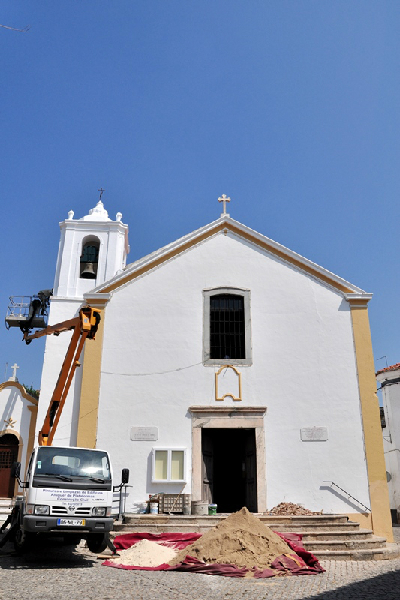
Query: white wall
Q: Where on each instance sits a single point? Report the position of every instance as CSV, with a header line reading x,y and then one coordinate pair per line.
x,y
303,371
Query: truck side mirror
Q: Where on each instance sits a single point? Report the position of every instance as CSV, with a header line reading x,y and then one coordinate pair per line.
x,y
125,476
16,470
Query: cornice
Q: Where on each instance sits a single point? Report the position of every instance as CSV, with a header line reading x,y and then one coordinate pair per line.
x,y
233,410
358,300
222,226
96,300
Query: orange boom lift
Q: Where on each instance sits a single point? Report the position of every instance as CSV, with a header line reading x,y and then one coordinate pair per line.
x,y
85,327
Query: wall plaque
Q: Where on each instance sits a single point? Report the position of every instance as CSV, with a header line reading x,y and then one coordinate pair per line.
x,y
314,434
144,434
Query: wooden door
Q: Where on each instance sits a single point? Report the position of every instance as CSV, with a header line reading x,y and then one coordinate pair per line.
x,y
251,470
207,466
8,455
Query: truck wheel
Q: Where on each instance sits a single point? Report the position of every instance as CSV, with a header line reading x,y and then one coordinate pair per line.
x,y
97,542
22,540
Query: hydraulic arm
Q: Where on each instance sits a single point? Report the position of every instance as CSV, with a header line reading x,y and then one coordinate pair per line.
x,y
84,326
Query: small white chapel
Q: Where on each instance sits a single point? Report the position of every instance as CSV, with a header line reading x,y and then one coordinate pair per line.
x,y
226,367
18,411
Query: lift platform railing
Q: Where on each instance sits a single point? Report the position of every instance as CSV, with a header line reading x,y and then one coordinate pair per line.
x,y
27,312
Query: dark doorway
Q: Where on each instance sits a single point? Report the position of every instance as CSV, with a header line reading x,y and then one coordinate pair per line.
x,y
230,468
8,455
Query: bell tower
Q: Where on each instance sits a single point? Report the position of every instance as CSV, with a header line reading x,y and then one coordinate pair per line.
x,y
92,250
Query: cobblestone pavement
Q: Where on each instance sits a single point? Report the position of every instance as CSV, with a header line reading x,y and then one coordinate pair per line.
x,y
61,573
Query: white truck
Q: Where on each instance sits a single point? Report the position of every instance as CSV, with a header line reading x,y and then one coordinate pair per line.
x,y
68,493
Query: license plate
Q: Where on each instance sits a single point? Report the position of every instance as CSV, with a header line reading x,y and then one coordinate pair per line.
x,y
71,522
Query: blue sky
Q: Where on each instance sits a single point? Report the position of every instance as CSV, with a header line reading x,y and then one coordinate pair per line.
x,y
289,107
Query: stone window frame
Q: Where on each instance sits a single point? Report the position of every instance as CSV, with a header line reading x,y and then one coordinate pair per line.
x,y
207,294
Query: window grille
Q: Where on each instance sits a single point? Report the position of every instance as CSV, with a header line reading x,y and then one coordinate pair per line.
x,y
227,327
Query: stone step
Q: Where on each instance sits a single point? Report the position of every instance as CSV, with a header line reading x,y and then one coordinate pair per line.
x,y
187,523
323,527
162,528
384,553
336,534
6,502
220,516
6,505
317,520
315,546
308,534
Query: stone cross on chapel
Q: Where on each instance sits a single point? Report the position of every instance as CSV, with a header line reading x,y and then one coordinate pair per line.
x,y
14,375
224,199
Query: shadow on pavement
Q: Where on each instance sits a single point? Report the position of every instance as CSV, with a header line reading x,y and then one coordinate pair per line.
x,y
381,587
48,554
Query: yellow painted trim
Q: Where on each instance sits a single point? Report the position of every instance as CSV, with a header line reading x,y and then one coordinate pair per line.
x,y
364,519
217,374
21,388
373,441
90,390
224,227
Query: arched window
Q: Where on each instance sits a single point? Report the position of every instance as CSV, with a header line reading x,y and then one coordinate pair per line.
x,y
89,257
227,332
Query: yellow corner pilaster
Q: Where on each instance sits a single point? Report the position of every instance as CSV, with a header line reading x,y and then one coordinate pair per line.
x,y
90,390
373,441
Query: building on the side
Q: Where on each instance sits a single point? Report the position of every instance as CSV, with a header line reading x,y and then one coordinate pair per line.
x,y
18,411
389,380
226,366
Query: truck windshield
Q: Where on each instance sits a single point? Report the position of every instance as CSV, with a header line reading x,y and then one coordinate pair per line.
x,y
72,462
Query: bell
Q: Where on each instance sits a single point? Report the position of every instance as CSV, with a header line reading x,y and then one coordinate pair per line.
x,y
88,272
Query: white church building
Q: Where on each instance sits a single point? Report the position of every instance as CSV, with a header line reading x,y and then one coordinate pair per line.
x,y
226,366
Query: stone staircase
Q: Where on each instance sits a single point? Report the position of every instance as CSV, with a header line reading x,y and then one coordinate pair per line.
x,y
6,505
329,537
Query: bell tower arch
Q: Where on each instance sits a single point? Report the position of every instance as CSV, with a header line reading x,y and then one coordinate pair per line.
x,y
92,250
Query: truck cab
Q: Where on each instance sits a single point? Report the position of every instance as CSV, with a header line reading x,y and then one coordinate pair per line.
x,y
68,492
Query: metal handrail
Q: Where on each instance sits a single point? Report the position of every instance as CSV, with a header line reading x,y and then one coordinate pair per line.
x,y
350,496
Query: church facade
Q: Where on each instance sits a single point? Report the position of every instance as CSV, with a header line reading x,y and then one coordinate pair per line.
x,y
226,366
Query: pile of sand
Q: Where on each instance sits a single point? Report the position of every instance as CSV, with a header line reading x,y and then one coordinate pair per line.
x,y
289,508
145,554
241,540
